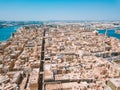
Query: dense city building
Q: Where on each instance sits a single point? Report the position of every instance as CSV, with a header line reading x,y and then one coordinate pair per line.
x,y
60,56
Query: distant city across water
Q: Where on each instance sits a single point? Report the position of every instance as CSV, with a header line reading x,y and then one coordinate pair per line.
x,y
5,33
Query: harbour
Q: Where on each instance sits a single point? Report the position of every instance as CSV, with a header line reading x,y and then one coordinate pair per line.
x,y
110,33
6,32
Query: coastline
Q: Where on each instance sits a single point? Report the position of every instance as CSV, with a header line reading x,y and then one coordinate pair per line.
x,y
7,32
111,33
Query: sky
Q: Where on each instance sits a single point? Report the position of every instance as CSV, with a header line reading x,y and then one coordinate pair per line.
x,y
38,10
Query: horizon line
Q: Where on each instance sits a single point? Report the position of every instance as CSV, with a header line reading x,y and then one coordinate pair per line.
x,y
56,20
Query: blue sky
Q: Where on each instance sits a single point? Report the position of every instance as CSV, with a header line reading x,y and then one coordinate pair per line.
x,y
59,10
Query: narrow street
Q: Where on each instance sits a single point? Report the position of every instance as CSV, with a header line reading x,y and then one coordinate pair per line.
x,y
41,81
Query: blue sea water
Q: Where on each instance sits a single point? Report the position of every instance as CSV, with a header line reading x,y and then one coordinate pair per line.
x,y
110,33
6,32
